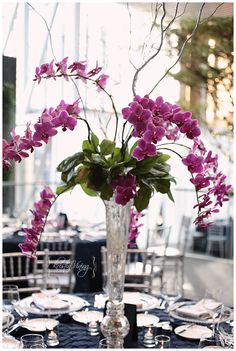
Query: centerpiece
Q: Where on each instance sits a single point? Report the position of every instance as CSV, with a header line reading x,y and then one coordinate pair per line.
x,y
124,173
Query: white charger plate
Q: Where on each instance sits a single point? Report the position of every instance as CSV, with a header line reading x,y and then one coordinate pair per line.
x,y
194,332
40,324
75,303
174,314
144,319
87,316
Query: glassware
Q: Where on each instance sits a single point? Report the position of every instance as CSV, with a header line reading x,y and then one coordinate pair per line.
x,y
170,292
10,297
115,326
213,342
210,302
93,328
225,326
52,290
32,341
149,333
102,344
162,342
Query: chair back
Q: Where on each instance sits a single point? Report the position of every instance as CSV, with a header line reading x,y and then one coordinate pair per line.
x,y
61,264
215,232
23,271
158,236
138,269
183,233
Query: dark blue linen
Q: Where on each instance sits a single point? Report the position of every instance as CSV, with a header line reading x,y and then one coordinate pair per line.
x,y
73,335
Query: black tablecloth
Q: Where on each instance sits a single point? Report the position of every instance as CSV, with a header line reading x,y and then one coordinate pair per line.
x,y
74,335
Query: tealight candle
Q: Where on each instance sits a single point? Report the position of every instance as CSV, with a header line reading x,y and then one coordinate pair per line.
x,y
148,338
93,328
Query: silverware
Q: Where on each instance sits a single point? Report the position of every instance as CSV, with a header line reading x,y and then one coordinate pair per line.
x,y
187,327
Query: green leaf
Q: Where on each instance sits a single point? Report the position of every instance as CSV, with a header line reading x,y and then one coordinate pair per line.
x,y
87,190
162,158
144,166
87,146
63,188
106,192
94,141
97,178
82,175
162,186
70,162
107,147
169,193
142,198
97,160
116,156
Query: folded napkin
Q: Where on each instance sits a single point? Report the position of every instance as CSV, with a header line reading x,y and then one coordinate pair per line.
x,y
200,309
52,303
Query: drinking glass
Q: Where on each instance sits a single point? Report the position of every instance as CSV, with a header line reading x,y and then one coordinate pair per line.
x,y
52,290
213,342
32,341
209,298
10,296
170,292
225,326
162,342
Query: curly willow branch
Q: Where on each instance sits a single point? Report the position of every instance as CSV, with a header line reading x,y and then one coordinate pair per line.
x,y
198,22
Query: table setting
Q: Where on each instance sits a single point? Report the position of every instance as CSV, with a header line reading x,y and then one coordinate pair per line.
x,y
73,321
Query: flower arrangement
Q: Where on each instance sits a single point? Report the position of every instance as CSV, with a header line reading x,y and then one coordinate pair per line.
x,y
134,169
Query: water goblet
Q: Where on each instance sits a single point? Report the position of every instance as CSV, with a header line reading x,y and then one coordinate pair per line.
x,y
212,305
225,326
213,342
170,293
10,297
52,291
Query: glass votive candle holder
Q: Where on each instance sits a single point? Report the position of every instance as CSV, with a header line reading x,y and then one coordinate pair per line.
x,y
162,342
32,341
149,333
93,328
102,344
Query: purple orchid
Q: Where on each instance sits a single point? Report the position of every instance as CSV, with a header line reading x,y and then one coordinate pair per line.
x,y
43,131
65,121
101,82
144,150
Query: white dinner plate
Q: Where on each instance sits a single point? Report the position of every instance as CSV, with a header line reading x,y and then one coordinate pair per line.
x,y
192,331
144,320
75,303
143,302
87,316
40,324
4,319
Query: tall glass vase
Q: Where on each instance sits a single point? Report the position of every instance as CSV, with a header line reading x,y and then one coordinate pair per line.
x,y
115,325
